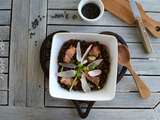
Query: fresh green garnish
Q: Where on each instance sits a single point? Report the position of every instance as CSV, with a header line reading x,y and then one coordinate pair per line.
x,y
86,69
77,62
78,74
80,66
80,69
92,67
62,69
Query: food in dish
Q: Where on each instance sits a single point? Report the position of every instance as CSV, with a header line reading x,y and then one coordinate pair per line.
x,y
83,66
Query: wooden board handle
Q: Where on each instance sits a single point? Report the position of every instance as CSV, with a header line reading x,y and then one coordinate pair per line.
x,y
145,36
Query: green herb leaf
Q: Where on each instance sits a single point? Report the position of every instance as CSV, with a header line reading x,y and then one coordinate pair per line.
x,y
80,65
62,69
78,74
93,66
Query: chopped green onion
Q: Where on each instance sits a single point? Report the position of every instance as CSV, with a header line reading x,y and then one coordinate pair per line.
x,y
93,66
62,69
78,74
80,65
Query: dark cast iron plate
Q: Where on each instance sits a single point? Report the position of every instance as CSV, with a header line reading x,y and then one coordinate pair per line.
x,y
45,59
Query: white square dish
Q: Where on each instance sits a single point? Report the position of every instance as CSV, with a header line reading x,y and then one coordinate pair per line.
x,y
107,92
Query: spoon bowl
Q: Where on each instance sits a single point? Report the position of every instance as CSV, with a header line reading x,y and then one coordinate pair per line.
x,y
123,55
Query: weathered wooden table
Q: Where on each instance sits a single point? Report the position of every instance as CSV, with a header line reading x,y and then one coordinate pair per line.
x,y
23,87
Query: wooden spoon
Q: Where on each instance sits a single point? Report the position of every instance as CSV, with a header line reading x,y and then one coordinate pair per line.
x,y
124,59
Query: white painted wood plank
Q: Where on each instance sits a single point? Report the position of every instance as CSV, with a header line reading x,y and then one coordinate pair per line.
x,y
157,116
146,67
4,48
14,113
35,85
137,50
4,33
127,83
130,34
3,65
55,102
154,16
5,4
3,97
4,17
157,107
131,100
149,5
63,4
71,17
157,110
122,100
18,52
3,81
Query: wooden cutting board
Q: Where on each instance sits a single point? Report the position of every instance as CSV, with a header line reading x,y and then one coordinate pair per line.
x,y
122,10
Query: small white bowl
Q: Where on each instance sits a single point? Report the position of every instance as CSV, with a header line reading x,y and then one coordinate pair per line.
x,y
107,92
99,3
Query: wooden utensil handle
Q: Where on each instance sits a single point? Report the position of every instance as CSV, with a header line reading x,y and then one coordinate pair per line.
x,y
151,24
142,87
145,36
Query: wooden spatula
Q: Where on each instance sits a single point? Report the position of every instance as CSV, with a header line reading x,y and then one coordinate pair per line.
x,y
122,10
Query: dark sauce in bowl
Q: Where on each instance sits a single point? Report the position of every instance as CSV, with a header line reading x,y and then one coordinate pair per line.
x,y
91,11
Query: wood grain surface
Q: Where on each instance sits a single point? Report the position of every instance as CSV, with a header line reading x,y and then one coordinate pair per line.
x,y
18,53
35,82
24,92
